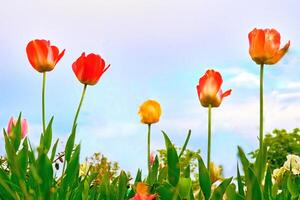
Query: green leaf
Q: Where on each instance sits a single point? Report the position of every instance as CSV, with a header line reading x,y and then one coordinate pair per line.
x,y
54,150
122,185
45,172
17,133
165,191
163,173
240,183
232,194
47,136
220,190
268,185
204,179
72,170
245,162
293,185
185,143
172,162
185,186
22,160
260,164
152,177
138,177
253,186
187,172
70,145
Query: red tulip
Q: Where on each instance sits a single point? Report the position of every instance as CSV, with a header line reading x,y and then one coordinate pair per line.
x,y
24,127
42,56
264,46
88,69
142,193
209,89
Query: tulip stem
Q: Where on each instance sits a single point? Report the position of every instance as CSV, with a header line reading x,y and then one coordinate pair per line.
x,y
149,137
261,109
79,107
209,137
43,102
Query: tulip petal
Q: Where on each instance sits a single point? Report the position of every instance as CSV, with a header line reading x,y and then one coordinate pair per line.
x,y
272,42
277,57
227,93
257,43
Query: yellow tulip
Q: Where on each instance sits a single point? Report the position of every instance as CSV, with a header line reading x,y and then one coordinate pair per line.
x,y
150,112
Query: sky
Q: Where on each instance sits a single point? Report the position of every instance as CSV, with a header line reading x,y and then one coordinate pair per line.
x,y
158,49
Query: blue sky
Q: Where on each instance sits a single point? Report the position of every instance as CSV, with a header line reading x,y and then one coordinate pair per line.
x,y
159,50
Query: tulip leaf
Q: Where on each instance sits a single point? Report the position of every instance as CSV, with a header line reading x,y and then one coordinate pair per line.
x,y
54,150
138,177
268,185
185,143
185,186
70,145
166,191
293,185
232,194
240,183
152,177
204,179
260,164
47,136
45,171
172,161
253,186
122,183
220,190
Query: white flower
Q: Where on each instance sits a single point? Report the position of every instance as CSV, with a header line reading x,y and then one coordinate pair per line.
x,y
292,164
278,174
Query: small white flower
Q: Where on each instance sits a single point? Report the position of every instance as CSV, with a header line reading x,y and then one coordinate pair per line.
x,y
292,164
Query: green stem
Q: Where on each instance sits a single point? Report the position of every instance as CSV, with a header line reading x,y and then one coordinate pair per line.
x,y
43,102
79,107
149,138
209,137
261,109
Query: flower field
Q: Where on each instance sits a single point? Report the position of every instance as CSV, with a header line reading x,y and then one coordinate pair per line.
x,y
177,173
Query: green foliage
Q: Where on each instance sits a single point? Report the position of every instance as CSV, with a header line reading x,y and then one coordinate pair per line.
x,y
280,143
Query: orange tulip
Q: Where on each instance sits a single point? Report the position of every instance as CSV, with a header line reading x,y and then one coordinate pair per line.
x,y
142,193
88,69
42,56
265,46
150,112
209,89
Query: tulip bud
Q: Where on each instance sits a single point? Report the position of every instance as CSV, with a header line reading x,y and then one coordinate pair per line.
x,y
42,56
150,112
215,172
264,46
88,69
209,89
12,122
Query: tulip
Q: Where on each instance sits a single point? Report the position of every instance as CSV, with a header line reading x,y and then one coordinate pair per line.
x,y
142,193
209,89
265,46
211,95
152,158
88,69
12,122
149,112
43,57
215,172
